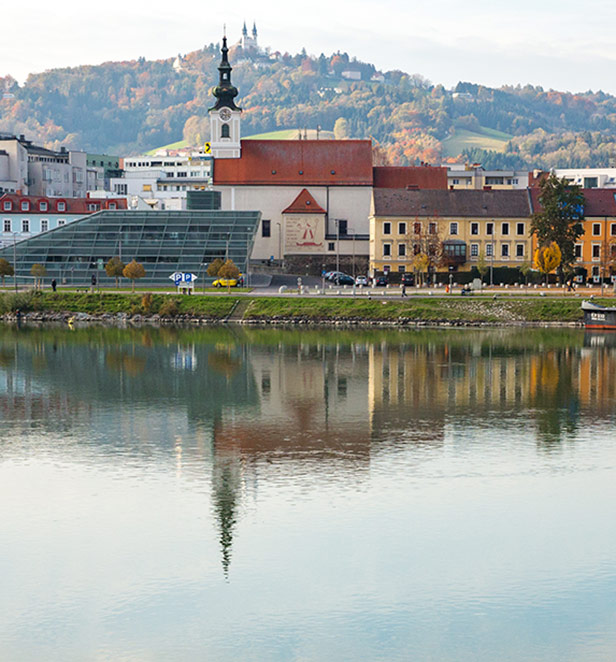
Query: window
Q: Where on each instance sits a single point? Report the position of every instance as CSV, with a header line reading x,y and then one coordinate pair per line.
x,y
121,189
401,268
387,228
386,250
7,225
474,228
577,251
596,229
61,221
417,228
112,205
474,250
331,246
182,174
613,229
44,225
596,251
519,228
224,131
342,226
25,205
266,228
432,228
25,225
416,249
453,228
401,228
519,250
494,181
401,250
62,205
504,250
8,205
94,207
505,228
43,206
455,182
591,182
489,228
489,250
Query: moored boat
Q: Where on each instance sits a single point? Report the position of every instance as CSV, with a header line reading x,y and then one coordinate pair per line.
x,y
598,317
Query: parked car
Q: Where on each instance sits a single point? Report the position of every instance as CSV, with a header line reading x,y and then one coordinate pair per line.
x,y
380,281
227,282
344,279
408,280
331,275
361,280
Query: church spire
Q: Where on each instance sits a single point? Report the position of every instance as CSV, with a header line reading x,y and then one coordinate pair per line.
x,y
245,30
225,92
254,30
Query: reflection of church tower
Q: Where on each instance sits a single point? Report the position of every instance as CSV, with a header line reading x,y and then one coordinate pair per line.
x,y
226,482
225,115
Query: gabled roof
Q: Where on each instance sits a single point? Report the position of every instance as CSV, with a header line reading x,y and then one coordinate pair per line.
x,y
599,201
304,204
472,204
417,177
298,163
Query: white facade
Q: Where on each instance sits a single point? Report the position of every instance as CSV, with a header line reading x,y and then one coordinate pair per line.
x,y
474,177
589,177
225,133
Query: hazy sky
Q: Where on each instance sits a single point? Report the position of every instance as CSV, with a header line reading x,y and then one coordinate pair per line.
x,y
562,44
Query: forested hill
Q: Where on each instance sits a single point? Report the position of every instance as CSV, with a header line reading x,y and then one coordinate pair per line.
x,y
131,107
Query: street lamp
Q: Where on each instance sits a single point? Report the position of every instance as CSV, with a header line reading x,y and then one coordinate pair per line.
x,y
15,259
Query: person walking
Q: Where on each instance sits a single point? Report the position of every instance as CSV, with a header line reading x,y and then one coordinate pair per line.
x,y
403,289
54,284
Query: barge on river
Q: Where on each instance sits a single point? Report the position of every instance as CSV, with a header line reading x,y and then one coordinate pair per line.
x,y
598,317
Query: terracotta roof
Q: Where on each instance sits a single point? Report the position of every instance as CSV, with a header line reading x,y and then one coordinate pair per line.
x,y
297,163
304,204
418,177
72,205
476,204
599,201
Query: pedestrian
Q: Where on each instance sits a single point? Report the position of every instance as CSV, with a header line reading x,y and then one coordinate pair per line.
x,y
403,289
93,281
54,284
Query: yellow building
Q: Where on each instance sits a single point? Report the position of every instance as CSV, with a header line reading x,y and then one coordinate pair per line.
x,y
463,226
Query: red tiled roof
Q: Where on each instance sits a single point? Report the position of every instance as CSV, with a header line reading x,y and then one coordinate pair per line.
x,y
599,201
297,163
416,177
72,205
304,204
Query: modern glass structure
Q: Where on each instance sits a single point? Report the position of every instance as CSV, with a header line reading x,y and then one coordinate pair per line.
x,y
163,241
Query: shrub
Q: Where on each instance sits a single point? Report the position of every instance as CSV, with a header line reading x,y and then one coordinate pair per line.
x,y
146,302
168,309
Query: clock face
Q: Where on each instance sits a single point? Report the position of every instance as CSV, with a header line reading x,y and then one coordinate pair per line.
x,y
225,114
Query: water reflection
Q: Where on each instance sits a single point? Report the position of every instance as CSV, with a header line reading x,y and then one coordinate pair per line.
x,y
387,478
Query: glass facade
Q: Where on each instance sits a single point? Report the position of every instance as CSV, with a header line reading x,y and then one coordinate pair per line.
x,y
163,241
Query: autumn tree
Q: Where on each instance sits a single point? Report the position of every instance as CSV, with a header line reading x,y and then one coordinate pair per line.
x,y
39,272
341,129
115,269
214,267
133,271
559,219
425,245
6,269
229,272
548,258
482,265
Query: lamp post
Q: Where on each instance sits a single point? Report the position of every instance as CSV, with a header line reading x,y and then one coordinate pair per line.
x,y
279,242
15,259
337,222
492,264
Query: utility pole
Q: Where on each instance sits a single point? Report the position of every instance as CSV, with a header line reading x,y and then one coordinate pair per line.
x,y
15,259
337,221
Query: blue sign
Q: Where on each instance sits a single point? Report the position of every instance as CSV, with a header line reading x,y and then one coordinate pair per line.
x,y
182,278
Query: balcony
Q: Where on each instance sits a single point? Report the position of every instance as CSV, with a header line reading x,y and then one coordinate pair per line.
x,y
454,251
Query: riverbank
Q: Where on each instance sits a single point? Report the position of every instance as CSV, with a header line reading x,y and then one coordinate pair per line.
x,y
160,308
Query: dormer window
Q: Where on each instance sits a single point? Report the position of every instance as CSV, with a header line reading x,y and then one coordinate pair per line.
x,y
8,205
25,205
224,133
43,206
61,206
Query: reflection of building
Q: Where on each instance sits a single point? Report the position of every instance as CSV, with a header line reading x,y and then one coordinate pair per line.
x,y
164,242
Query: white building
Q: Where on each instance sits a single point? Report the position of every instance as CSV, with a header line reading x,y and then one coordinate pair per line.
x,y
475,177
589,177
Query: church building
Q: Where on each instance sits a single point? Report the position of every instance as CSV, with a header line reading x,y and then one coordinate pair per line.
x,y
314,195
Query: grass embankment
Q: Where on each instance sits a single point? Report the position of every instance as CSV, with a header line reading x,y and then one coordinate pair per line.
x,y
474,309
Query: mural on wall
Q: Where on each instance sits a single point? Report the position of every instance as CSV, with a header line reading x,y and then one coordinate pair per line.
x,y
304,234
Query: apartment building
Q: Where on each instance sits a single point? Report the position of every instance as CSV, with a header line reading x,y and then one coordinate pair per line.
x,y
475,177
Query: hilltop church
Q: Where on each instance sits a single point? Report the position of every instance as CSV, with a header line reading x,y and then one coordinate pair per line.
x,y
314,195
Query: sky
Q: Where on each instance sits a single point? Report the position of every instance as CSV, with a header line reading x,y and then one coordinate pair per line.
x,y
562,45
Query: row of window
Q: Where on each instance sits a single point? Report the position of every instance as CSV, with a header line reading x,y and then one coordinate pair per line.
x,y
505,250
43,205
454,228
7,224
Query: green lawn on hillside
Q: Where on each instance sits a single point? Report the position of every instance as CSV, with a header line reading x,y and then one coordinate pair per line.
x,y
488,139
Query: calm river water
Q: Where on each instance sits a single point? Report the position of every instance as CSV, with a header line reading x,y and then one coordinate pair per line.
x,y
221,494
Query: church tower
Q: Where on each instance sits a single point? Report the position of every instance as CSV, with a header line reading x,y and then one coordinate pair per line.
x,y
225,115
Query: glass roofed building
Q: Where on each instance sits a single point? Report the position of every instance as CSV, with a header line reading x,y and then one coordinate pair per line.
x,y
163,241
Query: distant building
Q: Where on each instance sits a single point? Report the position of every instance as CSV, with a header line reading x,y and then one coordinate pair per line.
x,y
22,217
588,177
249,42
33,170
475,177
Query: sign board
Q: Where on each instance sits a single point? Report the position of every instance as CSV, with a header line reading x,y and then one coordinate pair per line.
x,y
99,264
207,148
183,278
